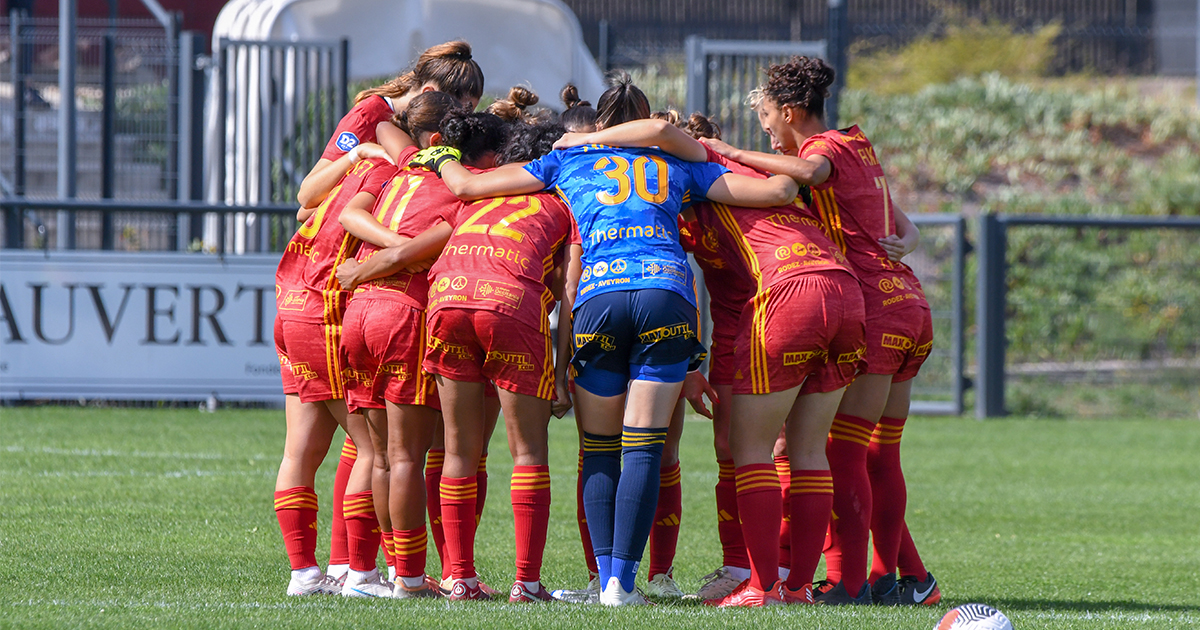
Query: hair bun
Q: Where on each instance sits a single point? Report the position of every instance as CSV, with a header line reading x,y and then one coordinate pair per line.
x,y
570,97
522,96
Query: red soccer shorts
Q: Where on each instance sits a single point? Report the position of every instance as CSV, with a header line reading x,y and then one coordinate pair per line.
x,y
797,327
312,351
285,364
382,346
899,341
477,346
721,359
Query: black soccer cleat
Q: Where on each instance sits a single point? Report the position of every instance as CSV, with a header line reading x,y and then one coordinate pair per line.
x,y
886,591
837,596
917,592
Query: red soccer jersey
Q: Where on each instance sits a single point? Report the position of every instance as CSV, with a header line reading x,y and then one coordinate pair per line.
x,y
500,256
412,202
358,126
856,208
771,244
729,287
306,288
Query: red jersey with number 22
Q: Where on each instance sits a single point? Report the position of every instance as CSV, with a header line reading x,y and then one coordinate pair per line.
x,y
857,210
412,202
306,288
499,257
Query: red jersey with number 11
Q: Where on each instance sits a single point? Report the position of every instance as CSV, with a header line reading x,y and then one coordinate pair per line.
x,y
857,210
499,256
306,288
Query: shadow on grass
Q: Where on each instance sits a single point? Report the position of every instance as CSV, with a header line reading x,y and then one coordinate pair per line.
x,y
1087,606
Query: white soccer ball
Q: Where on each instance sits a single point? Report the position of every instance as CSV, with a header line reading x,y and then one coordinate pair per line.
x,y
974,617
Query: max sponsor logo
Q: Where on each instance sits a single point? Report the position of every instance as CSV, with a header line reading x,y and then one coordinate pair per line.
x,y
897,342
607,342
673,331
805,356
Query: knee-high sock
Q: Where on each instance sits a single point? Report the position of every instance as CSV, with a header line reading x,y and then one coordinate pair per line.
x,y
409,546
664,533
296,509
888,492
812,501
729,528
458,523
601,475
339,552
783,468
761,512
589,554
389,548
909,561
481,478
847,452
362,530
637,499
832,551
530,491
433,503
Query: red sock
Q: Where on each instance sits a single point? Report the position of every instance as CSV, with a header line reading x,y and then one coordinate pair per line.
x,y
589,555
433,493
389,548
296,509
832,551
409,545
362,530
847,452
909,561
339,552
729,529
783,468
481,484
458,524
812,501
888,492
758,494
531,517
664,533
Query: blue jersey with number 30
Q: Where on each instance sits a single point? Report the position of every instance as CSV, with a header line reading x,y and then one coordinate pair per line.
x,y
626,203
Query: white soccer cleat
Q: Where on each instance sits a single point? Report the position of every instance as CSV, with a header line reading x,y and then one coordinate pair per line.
x,y
321,585
366,585
717,585
589,595
663,585
614,595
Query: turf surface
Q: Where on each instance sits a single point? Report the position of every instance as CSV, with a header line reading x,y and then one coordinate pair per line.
x,y
124,517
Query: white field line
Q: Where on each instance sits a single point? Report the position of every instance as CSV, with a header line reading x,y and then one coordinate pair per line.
x,y
79,452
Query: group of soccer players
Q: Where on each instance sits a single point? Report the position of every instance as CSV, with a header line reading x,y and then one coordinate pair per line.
x,y
414,305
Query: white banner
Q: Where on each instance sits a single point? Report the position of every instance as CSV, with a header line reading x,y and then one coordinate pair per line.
x,y
137,326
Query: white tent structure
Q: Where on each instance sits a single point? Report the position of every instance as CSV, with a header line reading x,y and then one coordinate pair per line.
x,y
537,43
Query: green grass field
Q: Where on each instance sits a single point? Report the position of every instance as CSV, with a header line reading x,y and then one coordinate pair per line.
x,y
134,517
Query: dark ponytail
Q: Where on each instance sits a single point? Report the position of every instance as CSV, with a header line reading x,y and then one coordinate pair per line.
x,y
473,134
621,103
530,142
802,82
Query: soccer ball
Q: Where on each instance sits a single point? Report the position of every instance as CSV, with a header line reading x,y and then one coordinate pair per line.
x,y
974,617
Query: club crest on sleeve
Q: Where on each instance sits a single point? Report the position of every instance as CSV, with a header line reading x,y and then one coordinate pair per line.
x,y
346,141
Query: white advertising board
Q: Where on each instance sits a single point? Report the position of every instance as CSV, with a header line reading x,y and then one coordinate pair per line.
x,y
137,326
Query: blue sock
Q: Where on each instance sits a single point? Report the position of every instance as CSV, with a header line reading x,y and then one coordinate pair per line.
x,y
601,475
636,501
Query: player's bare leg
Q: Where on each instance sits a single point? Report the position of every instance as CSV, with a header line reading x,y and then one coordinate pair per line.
x,y
411,430
358,508
811,498
380,471
310,430
735,564
664,533
465,421
526,421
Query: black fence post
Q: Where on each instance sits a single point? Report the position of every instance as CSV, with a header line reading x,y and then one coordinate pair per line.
x,y
990,307
108,129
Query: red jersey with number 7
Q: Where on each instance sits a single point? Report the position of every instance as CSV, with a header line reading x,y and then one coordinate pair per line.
x,y
414,200
857,210
306,288
500,255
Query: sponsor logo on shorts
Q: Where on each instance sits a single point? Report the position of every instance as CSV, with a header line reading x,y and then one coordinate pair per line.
x,y
362,377
800,358
674,331
397,370
301,370
606,342
923,349
897,342
456,350
284,362
852,357
664,269
294,300
347,141
618,266
458,283
522,360
599,269
738,375
501,292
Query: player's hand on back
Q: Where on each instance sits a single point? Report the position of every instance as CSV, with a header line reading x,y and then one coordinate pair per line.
x,y
719,147
571,139
896,247
434,158
370,150
346,274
